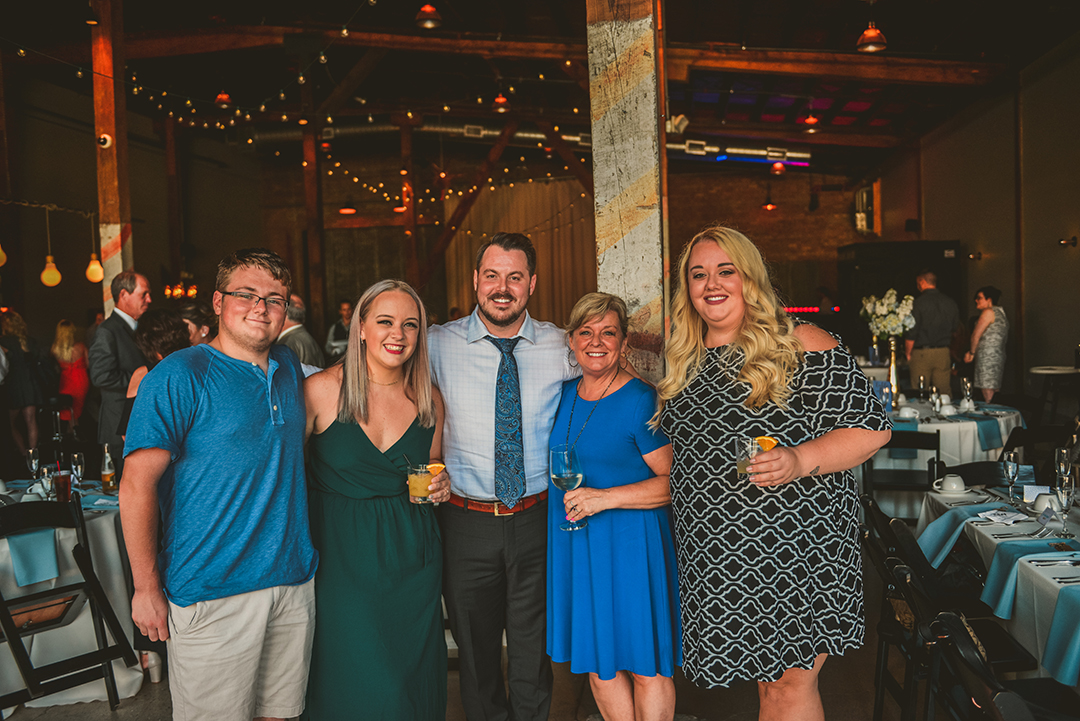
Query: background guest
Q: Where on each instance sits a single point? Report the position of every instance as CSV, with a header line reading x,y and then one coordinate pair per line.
x,y
296,336
630,648
379,635
338,337
94,318
770,573
927,343
988,342
160,332
200,320
74,378
24,393
114,357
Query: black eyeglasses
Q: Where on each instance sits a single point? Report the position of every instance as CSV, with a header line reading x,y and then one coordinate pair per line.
x,y
252,300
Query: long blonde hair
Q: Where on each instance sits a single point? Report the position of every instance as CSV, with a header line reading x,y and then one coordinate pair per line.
x,y
11,323
353,397
63,347
766,335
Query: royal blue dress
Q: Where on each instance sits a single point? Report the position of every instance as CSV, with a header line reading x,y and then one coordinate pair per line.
x,y
612,590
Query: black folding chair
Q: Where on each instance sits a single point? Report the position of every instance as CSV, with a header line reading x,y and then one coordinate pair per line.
x,y
53,608
971,691
903,479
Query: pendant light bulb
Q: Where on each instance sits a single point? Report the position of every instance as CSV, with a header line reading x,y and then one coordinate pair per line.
x,y
50,276
94,272
871,41
3,256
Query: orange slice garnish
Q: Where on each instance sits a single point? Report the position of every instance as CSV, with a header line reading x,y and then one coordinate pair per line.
x,y
767,443
436,468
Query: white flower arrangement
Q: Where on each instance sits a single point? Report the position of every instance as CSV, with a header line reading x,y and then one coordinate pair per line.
x,y
886,316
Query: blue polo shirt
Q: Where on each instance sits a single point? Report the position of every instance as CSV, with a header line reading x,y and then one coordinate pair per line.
x,y
234,499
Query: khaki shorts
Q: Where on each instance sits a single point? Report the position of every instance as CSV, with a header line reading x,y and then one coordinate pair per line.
x,y
242,657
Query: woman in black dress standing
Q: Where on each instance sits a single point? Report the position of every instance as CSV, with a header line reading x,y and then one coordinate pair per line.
x,y
770,576
24,394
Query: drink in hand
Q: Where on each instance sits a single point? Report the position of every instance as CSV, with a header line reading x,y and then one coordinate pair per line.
x,y
420,478
746,449
568,481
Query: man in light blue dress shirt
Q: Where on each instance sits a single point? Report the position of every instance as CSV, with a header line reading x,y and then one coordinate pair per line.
x,y
495,556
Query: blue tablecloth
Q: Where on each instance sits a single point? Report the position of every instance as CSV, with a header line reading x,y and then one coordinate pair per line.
x,y
1000,588
1062,656
938,538
904,424
33,556
995,407
989,430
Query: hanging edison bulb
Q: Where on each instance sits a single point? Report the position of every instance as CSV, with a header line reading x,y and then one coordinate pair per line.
x,y
3,256
94,272
50,276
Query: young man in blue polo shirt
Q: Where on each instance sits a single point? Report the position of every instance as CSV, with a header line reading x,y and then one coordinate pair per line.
x,y
216,441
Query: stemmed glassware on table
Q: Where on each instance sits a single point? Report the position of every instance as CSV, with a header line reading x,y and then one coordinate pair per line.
x,y
78,467
1011,463
1061,461
1066,492
33,461
566,474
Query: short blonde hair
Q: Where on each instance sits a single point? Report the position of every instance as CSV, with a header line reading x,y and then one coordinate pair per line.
x,y
766,335
597,305
353,397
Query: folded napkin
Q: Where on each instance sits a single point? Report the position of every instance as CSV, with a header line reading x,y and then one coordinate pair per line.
x,y
20,486
904,424
1062,655
989,430
1000,588
33,556
100,502
938,538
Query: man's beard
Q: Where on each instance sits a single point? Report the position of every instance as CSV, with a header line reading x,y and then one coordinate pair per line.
x,y
501,322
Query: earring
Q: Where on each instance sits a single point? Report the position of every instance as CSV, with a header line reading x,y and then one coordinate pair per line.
x,y
570,358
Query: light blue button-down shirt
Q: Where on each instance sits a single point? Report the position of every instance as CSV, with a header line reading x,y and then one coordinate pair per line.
x,y
465,366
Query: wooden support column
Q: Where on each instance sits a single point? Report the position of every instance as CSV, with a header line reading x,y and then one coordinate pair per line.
x,y
408,201
174,200
110,119
467,201
313,237
626,94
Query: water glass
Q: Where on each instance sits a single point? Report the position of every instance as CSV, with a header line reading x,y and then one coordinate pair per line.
x,y
1066,491
33,461
566,475
1012,470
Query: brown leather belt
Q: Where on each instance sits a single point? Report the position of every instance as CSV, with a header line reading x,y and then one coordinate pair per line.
x,y
497,507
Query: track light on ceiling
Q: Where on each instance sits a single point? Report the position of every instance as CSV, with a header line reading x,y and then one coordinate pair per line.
x,y
347,209
428,18
768,204
501,104
90,16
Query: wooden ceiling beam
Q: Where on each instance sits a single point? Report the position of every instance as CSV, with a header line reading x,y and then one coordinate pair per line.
x,y
824,135
680,58
352,81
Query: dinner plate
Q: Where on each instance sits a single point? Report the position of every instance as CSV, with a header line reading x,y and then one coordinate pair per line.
x,y
965,492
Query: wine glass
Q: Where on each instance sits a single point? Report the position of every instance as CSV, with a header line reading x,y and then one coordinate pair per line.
x,y
566,475
1061,461
1066,490
1012,470
33,461
78,466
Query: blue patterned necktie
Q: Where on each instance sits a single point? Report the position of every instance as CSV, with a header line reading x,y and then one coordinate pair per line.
x,y
509,443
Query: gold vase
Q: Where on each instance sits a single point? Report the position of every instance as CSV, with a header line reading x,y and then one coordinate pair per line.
x,y
894,379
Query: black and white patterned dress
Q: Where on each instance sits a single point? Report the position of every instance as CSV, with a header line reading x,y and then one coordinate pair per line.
x,y
768,577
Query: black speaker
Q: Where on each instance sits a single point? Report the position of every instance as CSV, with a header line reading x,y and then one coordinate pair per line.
x,y
865,269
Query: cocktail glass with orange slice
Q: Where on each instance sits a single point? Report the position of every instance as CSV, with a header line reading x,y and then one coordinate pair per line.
x,y
746,449
420,476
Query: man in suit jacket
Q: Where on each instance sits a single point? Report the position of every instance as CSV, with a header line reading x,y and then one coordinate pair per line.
x,y
295,335
114,357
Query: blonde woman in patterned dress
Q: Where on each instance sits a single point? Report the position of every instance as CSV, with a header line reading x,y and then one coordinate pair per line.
x,y
988,342
770,575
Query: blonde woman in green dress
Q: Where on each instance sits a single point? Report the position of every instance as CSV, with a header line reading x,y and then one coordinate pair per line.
x,y
379,650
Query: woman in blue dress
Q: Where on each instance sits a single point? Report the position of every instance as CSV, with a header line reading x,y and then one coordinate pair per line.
x,y
613,605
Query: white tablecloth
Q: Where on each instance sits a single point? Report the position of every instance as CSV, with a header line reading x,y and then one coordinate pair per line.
x,y
1036,591
959,444
105,539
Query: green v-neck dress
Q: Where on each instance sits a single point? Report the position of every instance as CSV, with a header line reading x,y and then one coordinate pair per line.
x,y
379,650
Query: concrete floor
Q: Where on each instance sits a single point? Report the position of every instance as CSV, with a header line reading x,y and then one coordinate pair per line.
x,y
847,690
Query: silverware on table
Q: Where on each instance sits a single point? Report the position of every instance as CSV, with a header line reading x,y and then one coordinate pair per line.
x,y
1067,579
1059,562
1041,533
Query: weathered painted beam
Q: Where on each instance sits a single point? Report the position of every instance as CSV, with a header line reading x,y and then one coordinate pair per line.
x,y
625,81
110,128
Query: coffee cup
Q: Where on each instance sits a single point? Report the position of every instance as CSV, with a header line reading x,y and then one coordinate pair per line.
x,y
946,399
948,410
1044,500
909,412
949,483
